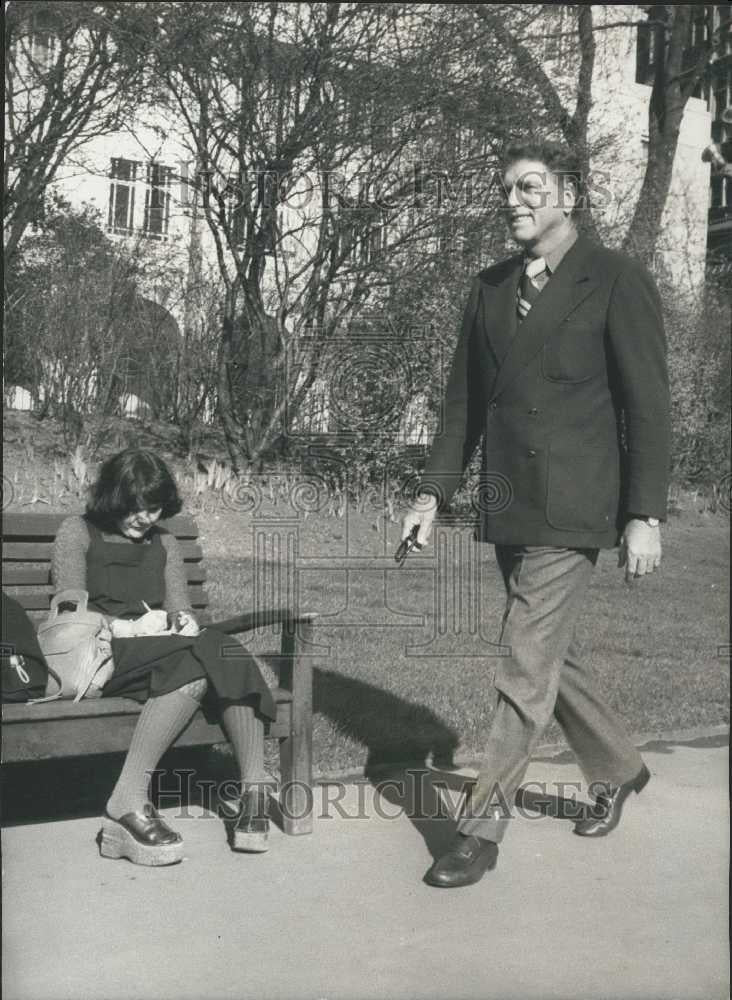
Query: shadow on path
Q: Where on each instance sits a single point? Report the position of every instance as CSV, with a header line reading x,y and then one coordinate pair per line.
x,y
391,730
659,745
402,740
71,787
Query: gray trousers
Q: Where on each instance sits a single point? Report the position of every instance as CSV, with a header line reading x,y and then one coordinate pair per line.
x,y
542,677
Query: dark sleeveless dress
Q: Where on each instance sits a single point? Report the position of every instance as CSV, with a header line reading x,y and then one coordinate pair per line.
x,y
120,576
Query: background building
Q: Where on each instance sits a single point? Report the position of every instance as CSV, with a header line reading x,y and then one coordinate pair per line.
x,y
143,180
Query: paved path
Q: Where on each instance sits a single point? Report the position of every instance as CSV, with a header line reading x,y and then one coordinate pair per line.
x,y
344,913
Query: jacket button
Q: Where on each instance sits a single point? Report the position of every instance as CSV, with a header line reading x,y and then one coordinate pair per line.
x,y
494,405
532,454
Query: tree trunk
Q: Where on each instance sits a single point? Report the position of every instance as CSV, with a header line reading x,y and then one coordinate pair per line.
x,y
234,433
665,112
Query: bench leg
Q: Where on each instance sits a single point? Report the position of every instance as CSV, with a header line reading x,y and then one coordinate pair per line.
x,y
296,788
296,750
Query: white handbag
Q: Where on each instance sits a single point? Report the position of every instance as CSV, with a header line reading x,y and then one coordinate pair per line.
x,y
77,646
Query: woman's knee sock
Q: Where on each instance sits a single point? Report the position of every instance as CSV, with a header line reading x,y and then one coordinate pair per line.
x,y
246,732
161,720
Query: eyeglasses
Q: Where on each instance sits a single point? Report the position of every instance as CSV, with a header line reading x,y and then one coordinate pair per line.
x,y
406,546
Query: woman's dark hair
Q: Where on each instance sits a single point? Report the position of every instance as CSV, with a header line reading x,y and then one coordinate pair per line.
x,y
560,159
131,480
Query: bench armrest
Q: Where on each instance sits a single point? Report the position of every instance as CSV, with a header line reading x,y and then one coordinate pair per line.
x,y
260,619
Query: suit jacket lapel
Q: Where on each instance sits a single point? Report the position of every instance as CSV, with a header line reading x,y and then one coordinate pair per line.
x,y
499,310
496,314
563,293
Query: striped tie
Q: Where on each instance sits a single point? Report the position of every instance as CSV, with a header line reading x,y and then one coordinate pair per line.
x,y
528,292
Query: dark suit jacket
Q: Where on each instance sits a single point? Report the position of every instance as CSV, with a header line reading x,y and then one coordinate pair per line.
x,y
549,397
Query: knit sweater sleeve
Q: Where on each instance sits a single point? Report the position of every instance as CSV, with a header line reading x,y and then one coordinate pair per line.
x,y
68,558
176,583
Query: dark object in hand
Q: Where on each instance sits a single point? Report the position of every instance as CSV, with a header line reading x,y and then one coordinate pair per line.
x,y
408,543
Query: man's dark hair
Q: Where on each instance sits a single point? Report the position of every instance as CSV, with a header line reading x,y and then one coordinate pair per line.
x,y
132,480
560,159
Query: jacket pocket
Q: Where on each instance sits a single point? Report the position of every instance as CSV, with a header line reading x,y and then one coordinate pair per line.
x,y
582,487
512,482
574,353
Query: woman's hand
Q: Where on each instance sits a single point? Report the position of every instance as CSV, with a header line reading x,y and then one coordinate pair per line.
x,y
155,623
183,623
121,628
151,623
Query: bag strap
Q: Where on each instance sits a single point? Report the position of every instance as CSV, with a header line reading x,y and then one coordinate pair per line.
x,y
49,697
71,596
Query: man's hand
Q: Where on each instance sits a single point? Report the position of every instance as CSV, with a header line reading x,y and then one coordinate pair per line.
x,y
422,512
640,549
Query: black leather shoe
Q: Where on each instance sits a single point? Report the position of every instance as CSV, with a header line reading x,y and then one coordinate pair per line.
x,y
142,837
605,815
467,861
250,814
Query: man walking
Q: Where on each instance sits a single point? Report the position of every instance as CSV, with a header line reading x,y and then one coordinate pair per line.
x,y
560,369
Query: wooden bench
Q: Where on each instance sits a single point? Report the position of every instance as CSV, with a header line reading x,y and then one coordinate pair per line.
x,y
65,729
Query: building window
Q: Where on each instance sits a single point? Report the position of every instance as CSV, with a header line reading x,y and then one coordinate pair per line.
x,y
372,241
157,201
238,224
123,174
723,25
700,28
720,196
347,237
43,40
235,194
557,40
376,242
645,53
719,104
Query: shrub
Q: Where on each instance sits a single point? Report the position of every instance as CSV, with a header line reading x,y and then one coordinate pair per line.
x,y
699,365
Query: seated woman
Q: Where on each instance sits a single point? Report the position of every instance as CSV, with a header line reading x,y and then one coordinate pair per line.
x,y
130,565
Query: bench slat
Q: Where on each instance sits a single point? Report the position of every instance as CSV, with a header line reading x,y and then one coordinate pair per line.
x,y
41,551
39,576
39,600
41,525
87,707
95,731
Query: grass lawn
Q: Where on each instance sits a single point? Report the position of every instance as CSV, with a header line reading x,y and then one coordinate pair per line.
x,y
407,657
404,670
